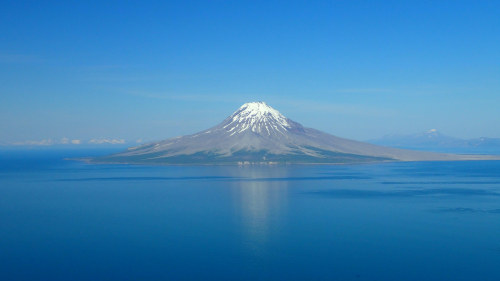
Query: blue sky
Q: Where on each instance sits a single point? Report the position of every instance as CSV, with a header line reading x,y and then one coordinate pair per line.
x,y
152,70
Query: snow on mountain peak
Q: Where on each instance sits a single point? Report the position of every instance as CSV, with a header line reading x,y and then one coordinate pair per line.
x,y
258,117
259,110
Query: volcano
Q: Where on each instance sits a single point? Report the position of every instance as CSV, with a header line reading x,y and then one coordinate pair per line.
x,y
257,133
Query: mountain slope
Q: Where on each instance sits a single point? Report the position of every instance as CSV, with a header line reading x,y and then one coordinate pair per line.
x,y
258,133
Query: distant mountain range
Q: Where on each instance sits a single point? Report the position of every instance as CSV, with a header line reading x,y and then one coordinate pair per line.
x,y
256,133
436,141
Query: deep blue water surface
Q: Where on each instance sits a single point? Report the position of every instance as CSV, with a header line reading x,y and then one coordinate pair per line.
x,y
66,220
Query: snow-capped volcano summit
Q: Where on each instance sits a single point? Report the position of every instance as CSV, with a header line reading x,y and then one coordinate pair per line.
x,y
258,117
258,133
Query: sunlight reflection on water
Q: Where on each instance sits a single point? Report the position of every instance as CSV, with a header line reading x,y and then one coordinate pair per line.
x,y
259,203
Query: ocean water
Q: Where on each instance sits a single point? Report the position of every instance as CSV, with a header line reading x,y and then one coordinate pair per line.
x,y
67,220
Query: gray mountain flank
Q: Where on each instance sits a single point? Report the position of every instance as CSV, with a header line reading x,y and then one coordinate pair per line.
x,y
258,133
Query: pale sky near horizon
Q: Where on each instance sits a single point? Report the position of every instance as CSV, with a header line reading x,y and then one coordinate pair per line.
x,y
153,70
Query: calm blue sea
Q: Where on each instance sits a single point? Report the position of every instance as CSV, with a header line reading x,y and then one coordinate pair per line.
x,y
66,220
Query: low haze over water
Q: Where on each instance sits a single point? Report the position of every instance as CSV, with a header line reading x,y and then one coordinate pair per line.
x,y
67,220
